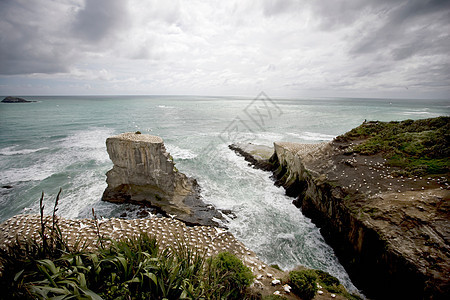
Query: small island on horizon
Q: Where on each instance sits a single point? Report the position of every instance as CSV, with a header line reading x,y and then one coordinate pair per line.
x,y
11,99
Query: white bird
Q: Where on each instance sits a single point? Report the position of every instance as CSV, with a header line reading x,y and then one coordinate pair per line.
x,y
219,230
287,288
275,282
258,284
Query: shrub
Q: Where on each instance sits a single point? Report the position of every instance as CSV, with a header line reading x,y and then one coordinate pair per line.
x,y
234,275
303,283
326,279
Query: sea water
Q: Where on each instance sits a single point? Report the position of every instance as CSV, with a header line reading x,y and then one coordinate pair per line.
x,y
59,142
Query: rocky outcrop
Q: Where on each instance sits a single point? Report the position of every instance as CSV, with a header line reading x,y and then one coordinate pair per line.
x,y
257,155
10,99
144,172
391,234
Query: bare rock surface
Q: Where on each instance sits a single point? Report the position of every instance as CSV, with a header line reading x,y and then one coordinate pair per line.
x,y
144,172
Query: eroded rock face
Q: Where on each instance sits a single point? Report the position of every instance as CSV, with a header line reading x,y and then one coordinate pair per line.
x,y
393,242
144,172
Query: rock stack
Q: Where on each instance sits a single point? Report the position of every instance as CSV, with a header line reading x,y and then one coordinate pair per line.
x,y
145,173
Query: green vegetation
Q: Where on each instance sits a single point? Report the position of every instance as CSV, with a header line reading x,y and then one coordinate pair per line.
x,y
126,269
418,147
276,267
332,285
232,273
303,283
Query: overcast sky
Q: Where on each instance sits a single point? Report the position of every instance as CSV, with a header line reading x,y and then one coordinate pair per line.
x,y
287,48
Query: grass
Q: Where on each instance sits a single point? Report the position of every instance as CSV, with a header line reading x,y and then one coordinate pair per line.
x,y
125,269
418,147
305,284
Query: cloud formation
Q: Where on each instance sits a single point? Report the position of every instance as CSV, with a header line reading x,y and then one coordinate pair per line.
x,y
284,47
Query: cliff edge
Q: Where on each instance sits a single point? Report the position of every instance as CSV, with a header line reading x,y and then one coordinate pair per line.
x,y
380,196
145,173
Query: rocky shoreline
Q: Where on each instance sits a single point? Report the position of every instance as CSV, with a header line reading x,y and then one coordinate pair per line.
x,y
144,174
391,233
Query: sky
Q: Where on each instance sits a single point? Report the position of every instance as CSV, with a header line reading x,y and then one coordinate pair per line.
x,y
286,48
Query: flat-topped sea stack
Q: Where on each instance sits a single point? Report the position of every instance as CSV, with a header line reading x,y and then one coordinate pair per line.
x,y
145,173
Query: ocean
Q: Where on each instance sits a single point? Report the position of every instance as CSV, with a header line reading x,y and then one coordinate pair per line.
x,y
59,142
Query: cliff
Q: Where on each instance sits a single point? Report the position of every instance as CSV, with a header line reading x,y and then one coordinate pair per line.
x,y
389,227
145,173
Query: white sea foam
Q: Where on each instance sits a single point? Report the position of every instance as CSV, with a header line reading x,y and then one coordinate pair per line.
x,y
311,136
180,153
31,173
416,113
286,236
266,220
13,150
86,191
88,144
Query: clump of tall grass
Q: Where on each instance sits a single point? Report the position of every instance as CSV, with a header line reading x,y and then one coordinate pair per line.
x,y
134,268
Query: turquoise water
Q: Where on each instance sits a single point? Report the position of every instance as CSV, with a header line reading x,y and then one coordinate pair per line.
x,y
59,142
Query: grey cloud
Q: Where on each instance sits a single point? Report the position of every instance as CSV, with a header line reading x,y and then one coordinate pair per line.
x,y
48,37
274,7
337,14
432,75
413,8
411,28
99,18
25,45
376,68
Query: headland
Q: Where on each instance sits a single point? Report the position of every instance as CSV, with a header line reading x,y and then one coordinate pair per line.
x,y
380,196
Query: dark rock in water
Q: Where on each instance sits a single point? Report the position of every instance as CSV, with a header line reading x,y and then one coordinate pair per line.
x,y
229,213
142,214
7,187
10,99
